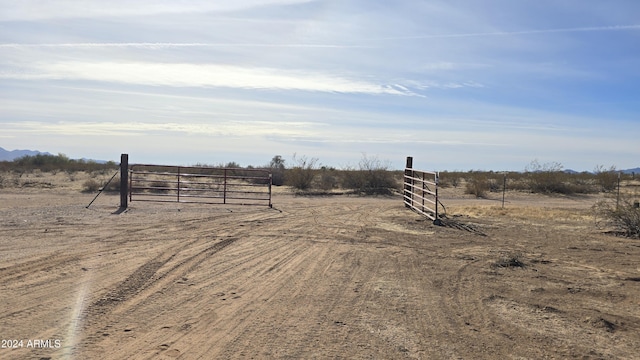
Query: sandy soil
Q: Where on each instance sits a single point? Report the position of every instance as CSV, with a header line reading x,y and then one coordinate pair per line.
x,y
313,278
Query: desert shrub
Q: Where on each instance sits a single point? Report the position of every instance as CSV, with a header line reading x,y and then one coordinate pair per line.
x,y
328,179
352,179
54,163
277,168
232,165
159,186
550,178
372,177
494,185
301,175
621,214
607,179
477,184
91,185
451,178
546,178
510,260
114,185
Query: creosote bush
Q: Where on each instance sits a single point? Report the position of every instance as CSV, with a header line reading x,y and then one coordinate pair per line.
x,y
90,185
620,214
277,168
372,177
301,175
477,185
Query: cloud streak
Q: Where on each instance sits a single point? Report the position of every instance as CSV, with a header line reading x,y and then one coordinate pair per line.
x,y
155,46
38,10
197,75
227,129
512,33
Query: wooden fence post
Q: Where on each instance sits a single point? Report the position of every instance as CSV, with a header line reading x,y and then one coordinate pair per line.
x,y
124,180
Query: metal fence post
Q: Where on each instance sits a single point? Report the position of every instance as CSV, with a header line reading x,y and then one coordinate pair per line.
x,y
178,183
437,220
423,187
224,188
408,172
124,180
270,183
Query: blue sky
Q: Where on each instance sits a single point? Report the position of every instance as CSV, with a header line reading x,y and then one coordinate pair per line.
x,y
458,85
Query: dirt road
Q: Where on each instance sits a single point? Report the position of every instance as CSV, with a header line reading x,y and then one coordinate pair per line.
x,y
313,278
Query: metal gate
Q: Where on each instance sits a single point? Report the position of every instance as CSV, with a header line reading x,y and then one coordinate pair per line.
x,y
206,185
421,191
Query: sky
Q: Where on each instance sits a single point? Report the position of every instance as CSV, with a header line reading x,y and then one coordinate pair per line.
x,y
457,85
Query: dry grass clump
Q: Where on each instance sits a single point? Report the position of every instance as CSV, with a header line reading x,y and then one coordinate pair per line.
x,y
524,213
92,185
510,260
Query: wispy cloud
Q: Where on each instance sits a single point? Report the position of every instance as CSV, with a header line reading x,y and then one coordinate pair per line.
x,y
194,75
331,79
512,33
154,46
227,129
37,9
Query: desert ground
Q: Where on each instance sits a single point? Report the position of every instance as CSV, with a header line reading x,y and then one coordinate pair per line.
x,y
314,277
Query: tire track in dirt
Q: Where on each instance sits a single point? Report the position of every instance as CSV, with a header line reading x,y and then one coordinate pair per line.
x,y
338,269
468,320
505,321
143,283
178,274
17,272
238,290
257,273
280,283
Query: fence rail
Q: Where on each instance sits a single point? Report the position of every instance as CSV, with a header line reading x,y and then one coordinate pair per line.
x,y
206,185
421,191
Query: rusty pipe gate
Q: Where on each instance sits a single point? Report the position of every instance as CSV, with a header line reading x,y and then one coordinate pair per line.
x,y
421,191
205,185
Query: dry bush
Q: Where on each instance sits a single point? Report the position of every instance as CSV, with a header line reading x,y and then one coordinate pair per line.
x,y
621,214
159,186
511,260
301,175
277,168
328,179
607,179
550,178
477,185
114,185
91,185
372,177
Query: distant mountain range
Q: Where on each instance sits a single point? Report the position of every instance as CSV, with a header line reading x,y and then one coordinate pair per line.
x,y
634,171
6,155
627,171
